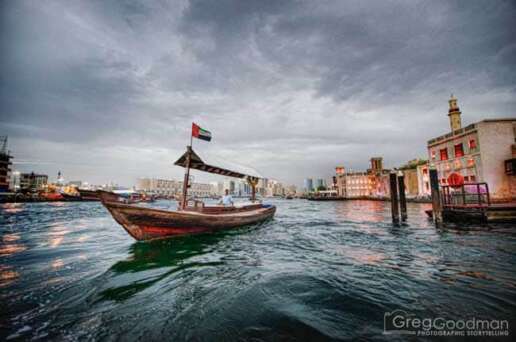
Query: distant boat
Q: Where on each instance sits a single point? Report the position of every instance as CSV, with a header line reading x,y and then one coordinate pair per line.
x,y
70,197
192,216
51,196
88,195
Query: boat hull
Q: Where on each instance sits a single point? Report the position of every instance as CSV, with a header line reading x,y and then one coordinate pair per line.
x,y
88,195
148,223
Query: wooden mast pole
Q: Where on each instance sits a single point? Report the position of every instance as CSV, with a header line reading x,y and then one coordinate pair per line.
x,y
252,182
187,174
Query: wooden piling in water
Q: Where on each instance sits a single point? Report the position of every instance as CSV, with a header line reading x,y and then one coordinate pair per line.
x,y
403,198
394,199
436,196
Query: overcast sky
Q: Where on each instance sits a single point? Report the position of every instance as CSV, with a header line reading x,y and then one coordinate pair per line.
x,y
107,90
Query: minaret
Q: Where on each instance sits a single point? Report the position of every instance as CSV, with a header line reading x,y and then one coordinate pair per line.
x,y
454,114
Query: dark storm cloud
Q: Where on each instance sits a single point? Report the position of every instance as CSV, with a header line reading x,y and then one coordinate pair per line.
x,y
283,85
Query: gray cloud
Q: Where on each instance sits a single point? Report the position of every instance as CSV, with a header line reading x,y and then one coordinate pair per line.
x,y
292,88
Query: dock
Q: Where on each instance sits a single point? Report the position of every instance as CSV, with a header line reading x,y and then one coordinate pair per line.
x,y
472,203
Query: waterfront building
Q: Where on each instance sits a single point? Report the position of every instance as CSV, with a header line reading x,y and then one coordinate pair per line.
x,y
376,164
242,188
416,179
274,188
33,181
357,184
319,183
201,190
173,188
14,181
261,187
479,152
423,180
308,185
156,186
218,188
371,183
291,190
5,165
229,185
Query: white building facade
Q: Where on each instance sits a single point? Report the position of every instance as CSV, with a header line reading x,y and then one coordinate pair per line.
x,y
477,152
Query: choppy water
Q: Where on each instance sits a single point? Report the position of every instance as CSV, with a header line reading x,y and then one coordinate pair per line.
x,y
318,271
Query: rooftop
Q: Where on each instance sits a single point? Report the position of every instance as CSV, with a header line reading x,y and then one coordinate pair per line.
x,y
466,129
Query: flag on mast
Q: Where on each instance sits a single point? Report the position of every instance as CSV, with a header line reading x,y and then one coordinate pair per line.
x,y
199,133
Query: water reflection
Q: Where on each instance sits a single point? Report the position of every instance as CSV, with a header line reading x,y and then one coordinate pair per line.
x,y
57,263
361,256
56,235
11,237
12,208
128,277
7,275
370,211
10,246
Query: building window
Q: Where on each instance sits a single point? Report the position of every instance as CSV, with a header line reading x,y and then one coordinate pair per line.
x,y
459,151
472,178
425,171
433,154
443,181
472,144
444,154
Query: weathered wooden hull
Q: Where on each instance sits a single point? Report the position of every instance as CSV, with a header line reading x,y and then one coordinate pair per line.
x,y
148,223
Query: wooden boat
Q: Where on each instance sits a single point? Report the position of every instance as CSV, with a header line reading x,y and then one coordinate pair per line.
x,y
149,223
88,195
192,216
70,197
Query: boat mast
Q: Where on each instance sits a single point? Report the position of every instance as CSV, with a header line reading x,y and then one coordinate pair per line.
x,y
252,182
187,174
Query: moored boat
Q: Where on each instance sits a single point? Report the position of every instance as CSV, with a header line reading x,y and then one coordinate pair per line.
x,y
191,216
88,195
149,223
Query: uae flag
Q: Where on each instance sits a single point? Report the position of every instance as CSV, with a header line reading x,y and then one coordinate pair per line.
x,y
199,133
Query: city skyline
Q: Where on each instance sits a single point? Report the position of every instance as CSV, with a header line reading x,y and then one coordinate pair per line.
x,y
107,92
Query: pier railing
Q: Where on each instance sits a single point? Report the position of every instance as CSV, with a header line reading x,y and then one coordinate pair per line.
x,y
469,195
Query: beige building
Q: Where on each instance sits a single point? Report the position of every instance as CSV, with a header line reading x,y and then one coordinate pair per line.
x,y
423,180
372,183
416,178
33,181
274,188
478,152
170,187
291,190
